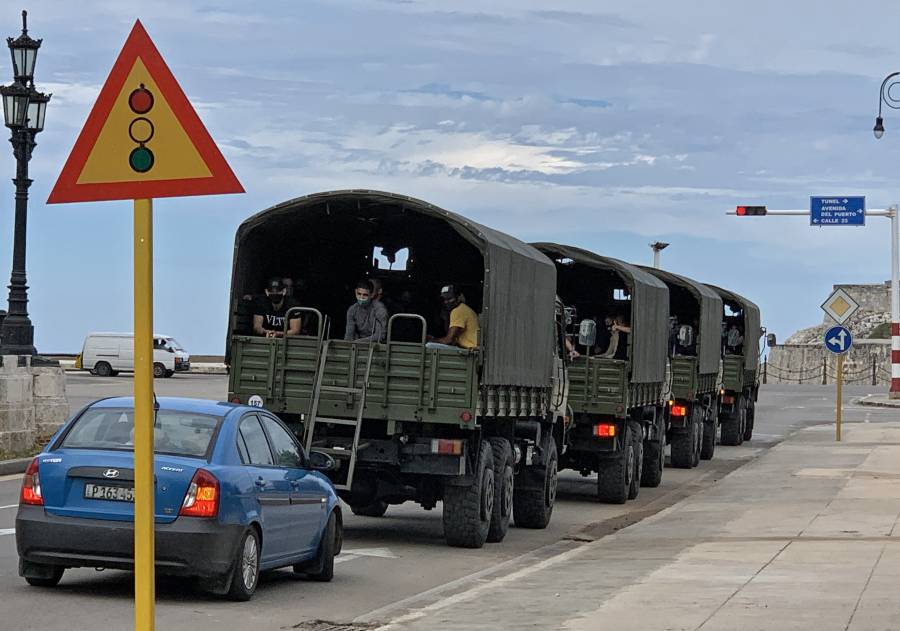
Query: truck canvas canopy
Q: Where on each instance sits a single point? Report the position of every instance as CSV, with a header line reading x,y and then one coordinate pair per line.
x,y
709,346
583,275
751,319
330,240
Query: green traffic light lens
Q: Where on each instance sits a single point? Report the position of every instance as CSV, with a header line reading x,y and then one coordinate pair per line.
x,y
141,159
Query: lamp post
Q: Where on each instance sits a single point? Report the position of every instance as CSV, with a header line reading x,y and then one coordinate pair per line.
x,y
657,247
885,98
24,109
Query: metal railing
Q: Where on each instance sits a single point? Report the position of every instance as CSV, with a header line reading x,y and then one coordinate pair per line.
x,y
876,371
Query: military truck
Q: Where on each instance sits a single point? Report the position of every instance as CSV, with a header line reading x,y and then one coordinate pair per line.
x,y
695,359
740,367
618,403
476,429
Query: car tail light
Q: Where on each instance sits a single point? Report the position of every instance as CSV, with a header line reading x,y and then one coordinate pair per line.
x,y
679,410
202,497
31,486
727,399
605,430
446,447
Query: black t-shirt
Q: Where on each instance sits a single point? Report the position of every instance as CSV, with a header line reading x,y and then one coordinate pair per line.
x,y
273,319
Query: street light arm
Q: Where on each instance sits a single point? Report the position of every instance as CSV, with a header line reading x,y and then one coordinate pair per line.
x,y
886,98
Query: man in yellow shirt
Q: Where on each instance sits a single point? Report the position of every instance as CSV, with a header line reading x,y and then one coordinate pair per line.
x,y
463,329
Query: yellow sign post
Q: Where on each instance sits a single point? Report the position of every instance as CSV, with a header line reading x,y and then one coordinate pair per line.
x,y
143,140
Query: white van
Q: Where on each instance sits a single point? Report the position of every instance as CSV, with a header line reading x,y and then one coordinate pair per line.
x,y
106,354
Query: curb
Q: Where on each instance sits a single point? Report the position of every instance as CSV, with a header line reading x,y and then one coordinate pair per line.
x,y
875,403
18,465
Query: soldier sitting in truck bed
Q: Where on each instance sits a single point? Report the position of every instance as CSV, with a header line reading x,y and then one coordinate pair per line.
x,y
269,312
463,326
366,318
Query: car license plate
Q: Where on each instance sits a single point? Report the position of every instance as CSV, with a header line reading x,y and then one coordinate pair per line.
x,y
113,493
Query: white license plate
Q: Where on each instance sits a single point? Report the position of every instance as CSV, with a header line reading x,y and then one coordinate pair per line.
x,y
112,493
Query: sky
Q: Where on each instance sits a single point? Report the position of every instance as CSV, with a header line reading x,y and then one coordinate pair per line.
x,y
606,125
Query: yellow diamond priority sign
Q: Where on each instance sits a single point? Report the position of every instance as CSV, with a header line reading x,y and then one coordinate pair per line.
x,y
840,306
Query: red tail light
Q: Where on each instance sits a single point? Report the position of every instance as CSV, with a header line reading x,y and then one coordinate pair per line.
x,y
202,497
446,447
727,400
31,486
605,430
679,410
236,399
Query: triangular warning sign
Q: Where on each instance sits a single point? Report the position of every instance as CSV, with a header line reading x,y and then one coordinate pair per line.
x,y
143,138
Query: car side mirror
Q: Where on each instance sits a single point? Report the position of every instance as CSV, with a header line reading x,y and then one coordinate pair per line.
x,y
770,340
322,461
587,332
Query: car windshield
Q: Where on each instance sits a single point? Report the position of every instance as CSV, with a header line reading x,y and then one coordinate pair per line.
x,y
176,433
172,343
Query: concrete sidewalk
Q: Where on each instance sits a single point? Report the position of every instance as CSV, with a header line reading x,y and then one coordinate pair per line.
x,y
803,538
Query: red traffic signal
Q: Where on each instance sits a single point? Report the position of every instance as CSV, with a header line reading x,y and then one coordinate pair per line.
x,y
751,211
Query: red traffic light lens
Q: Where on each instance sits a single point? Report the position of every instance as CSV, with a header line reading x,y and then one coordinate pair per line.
x,y
141,100
741,211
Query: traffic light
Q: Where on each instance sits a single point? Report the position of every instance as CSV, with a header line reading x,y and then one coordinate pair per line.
x,y
141,129
751,211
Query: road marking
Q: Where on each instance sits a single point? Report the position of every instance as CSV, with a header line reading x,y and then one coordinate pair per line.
x,y
7,531
381,553
12,476
9,506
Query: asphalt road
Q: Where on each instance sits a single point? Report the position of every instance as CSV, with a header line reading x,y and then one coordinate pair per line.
x,y
388,563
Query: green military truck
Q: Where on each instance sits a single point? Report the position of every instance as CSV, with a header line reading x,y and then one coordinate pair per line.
x,y
475,429
695,361
618,402
740,367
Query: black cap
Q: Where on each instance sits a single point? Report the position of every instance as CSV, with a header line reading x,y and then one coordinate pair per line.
x,y
275,284
448,291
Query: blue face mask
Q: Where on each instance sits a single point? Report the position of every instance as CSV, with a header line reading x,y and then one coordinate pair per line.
x,y
362,302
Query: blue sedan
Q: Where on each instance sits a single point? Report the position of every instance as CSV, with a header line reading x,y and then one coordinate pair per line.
x,y
235,494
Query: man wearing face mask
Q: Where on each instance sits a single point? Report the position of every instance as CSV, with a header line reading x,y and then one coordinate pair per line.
x,y
269,312
366,318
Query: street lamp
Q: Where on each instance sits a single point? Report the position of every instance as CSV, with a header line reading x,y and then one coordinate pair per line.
x,y
884,97
24,110
657,247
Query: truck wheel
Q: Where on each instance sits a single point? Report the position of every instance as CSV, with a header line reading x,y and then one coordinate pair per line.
x,y
683,444
732,432
709,439
503,489
637,439
749,418
614,475
468,509
373,509
533,508
102,369
159,371
655,455
698,434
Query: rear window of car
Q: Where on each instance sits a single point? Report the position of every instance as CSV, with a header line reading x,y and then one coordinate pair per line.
x,y
174,433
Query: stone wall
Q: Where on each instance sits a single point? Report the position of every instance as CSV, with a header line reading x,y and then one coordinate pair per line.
x,y
803,363
32,402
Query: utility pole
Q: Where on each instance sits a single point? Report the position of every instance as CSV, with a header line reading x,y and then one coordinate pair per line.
x,y
657,247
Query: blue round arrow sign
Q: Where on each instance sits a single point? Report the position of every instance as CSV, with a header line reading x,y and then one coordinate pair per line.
x,y
838,339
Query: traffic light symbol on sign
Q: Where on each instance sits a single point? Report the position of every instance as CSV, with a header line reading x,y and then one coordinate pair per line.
x,y
141,129
751,211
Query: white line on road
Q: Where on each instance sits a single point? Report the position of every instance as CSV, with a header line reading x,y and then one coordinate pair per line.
x,y
7,531
9,506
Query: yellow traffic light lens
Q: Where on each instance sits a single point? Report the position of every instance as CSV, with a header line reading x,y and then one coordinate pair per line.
x,y
140,130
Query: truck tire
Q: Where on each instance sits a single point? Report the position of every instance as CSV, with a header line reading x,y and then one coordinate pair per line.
x,y
103,369
709,439
698,434
503,489
376,508
159,370
637,440
468,509
749,418
684,444
655,455
614,475
533,508
732,428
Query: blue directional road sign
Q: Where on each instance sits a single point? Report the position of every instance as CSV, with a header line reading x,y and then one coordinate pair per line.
x,y
838,340
837,211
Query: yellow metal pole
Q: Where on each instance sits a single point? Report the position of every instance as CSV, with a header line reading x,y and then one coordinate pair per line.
x,y
840,393
144,579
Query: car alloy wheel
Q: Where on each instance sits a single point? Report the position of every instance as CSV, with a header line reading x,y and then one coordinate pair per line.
x,y
249,563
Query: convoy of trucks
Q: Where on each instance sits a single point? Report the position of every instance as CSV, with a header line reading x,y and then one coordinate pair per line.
x,y
484,431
